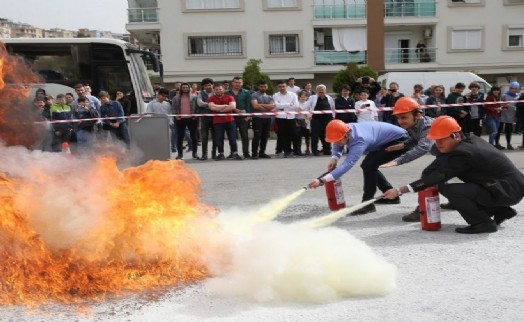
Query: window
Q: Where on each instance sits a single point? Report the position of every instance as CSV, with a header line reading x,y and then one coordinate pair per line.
x,y
466,39
515,37
513,2
283,44
463,3
212,4
282,4
215,46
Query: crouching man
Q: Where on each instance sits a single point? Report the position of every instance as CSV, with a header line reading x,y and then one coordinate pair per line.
x,y
491,182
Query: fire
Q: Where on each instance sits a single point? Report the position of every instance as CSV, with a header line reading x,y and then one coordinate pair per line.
x,y
136,229
16,126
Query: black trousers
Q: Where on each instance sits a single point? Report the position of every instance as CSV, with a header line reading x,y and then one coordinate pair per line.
x,y
318,132
181,129
288,132
261,128
373,178
243,127
474,202
206,126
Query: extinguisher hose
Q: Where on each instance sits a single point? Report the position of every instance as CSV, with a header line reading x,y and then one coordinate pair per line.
x,y
320,177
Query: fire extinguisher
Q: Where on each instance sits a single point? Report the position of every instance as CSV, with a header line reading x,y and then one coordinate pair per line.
x,y
429,204
334,194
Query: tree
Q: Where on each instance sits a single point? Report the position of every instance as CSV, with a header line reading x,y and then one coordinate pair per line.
x,y
350,74
252,75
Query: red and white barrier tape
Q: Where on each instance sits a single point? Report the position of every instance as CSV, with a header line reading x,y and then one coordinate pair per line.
x,y
138,117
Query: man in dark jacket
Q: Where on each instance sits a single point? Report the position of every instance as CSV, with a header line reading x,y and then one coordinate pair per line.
x,y
491,182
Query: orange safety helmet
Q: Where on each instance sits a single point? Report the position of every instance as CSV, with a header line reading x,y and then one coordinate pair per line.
x,y
335,130
444,126
405,105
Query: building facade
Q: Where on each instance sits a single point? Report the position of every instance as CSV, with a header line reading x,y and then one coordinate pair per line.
x,y
314,39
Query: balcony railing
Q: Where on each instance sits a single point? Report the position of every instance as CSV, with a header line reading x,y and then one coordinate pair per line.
x,y
142,15
333,57
409,55
349,11
391,56
410,8
393,8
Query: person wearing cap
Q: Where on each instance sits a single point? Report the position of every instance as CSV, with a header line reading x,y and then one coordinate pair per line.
x,y
491,182
410,117
372,138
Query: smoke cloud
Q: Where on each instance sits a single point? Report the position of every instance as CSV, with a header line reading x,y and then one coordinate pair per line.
x,y
279,263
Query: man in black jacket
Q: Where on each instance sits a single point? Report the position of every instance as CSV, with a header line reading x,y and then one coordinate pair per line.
x,y
491,182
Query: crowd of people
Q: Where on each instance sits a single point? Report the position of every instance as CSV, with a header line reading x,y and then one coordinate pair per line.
x,y
298,135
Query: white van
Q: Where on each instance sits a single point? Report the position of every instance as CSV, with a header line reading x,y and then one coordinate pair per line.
x,y
407,80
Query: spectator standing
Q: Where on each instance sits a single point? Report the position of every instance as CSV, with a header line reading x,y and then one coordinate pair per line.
x,y
365,108
220,103
124,101
493,116
84,129
507,116
286,101
320,102
184,103
43,131
161,106
243,105
345,102
389,101
291,87
206,122
304,122
261,102
476,111
437,97
117,126
460,112
60,111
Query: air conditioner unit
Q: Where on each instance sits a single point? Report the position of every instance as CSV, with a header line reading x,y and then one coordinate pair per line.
x,y
319,36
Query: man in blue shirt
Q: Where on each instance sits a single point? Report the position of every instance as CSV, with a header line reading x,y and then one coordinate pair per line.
x,y
372,138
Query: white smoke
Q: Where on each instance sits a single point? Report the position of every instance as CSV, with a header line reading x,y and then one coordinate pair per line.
x,y
277,263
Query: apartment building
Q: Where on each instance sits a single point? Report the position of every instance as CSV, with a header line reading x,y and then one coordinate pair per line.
x,y
314,39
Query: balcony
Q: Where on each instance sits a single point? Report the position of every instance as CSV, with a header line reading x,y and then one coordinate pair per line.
x,y
349,11
392,8
407,8
391,56
409,55
142,15
333,57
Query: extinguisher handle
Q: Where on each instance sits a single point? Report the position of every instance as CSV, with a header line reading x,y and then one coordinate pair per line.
x,y
323,174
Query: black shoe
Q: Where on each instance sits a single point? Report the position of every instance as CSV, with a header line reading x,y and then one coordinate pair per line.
x,y
413,216
234,156
447,206
254,157
204,157
483,227
500,147
366,210
384,201
286,155
264,156
316,153
247,156
300,154
195,156
179,157
505,215
510,147
220,157
326,153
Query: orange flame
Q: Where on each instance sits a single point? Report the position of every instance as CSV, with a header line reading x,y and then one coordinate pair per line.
x,y
16,115
136,229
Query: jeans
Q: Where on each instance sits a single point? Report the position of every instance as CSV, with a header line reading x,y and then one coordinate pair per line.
x,y
220,129
84,139
493,126
174,137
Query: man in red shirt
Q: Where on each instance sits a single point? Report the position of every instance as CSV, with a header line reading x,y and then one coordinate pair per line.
x,y
221,103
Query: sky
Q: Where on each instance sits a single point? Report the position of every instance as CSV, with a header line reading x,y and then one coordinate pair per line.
x,y
68,14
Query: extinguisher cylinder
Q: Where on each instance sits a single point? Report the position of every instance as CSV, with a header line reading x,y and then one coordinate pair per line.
x,y
428,201
335,195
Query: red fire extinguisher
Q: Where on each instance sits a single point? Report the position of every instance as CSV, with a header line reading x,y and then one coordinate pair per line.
x,y
334,194
429,204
